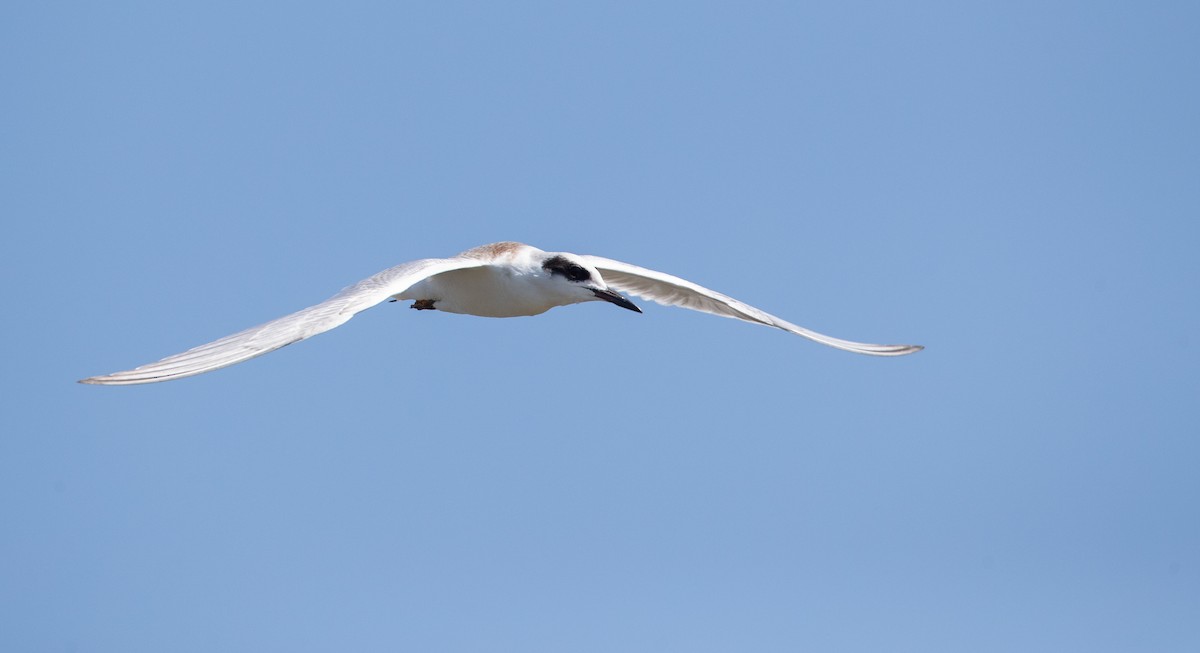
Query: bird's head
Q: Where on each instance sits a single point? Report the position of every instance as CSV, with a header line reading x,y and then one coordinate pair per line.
x,y
575,278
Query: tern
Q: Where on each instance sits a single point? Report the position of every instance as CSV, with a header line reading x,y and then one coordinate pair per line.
x,y
504,279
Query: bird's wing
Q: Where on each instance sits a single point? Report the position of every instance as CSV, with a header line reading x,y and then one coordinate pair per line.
x,y
672,291
268,337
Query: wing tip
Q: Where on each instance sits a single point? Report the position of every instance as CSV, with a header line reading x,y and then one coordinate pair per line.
x,y
891,350
123,378
105,379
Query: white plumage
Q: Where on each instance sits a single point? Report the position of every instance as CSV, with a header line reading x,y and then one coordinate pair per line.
x,y
499,280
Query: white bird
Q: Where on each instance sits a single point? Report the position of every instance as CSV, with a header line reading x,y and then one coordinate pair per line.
x,y
499,280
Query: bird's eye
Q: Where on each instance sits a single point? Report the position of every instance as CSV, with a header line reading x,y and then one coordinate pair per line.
x,y
577,273
572,271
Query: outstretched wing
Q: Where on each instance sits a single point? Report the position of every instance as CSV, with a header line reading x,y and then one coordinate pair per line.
x,y
268,337
672,291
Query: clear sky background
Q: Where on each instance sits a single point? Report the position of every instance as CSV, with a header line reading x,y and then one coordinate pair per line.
x,y
1014,185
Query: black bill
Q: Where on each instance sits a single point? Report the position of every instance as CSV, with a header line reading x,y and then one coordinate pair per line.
x,y
614,298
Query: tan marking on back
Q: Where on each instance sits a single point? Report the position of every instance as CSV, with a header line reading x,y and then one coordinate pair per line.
x,y
494,250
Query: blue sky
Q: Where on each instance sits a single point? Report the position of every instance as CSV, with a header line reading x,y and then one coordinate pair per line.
x,y
1012,185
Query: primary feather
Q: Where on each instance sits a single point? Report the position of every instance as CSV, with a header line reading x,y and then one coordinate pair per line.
x,y
671,290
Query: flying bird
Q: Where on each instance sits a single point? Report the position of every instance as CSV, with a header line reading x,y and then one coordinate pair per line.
x,y
498,280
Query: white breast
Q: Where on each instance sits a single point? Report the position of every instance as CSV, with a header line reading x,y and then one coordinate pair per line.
x,y
492,291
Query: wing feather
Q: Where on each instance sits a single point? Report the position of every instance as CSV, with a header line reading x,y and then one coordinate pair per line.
x,y
268,337
671,290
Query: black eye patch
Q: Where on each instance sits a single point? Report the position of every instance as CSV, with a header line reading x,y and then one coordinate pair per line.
x,y
572,271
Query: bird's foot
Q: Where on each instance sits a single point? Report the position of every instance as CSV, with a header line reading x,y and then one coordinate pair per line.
x,y
423,305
